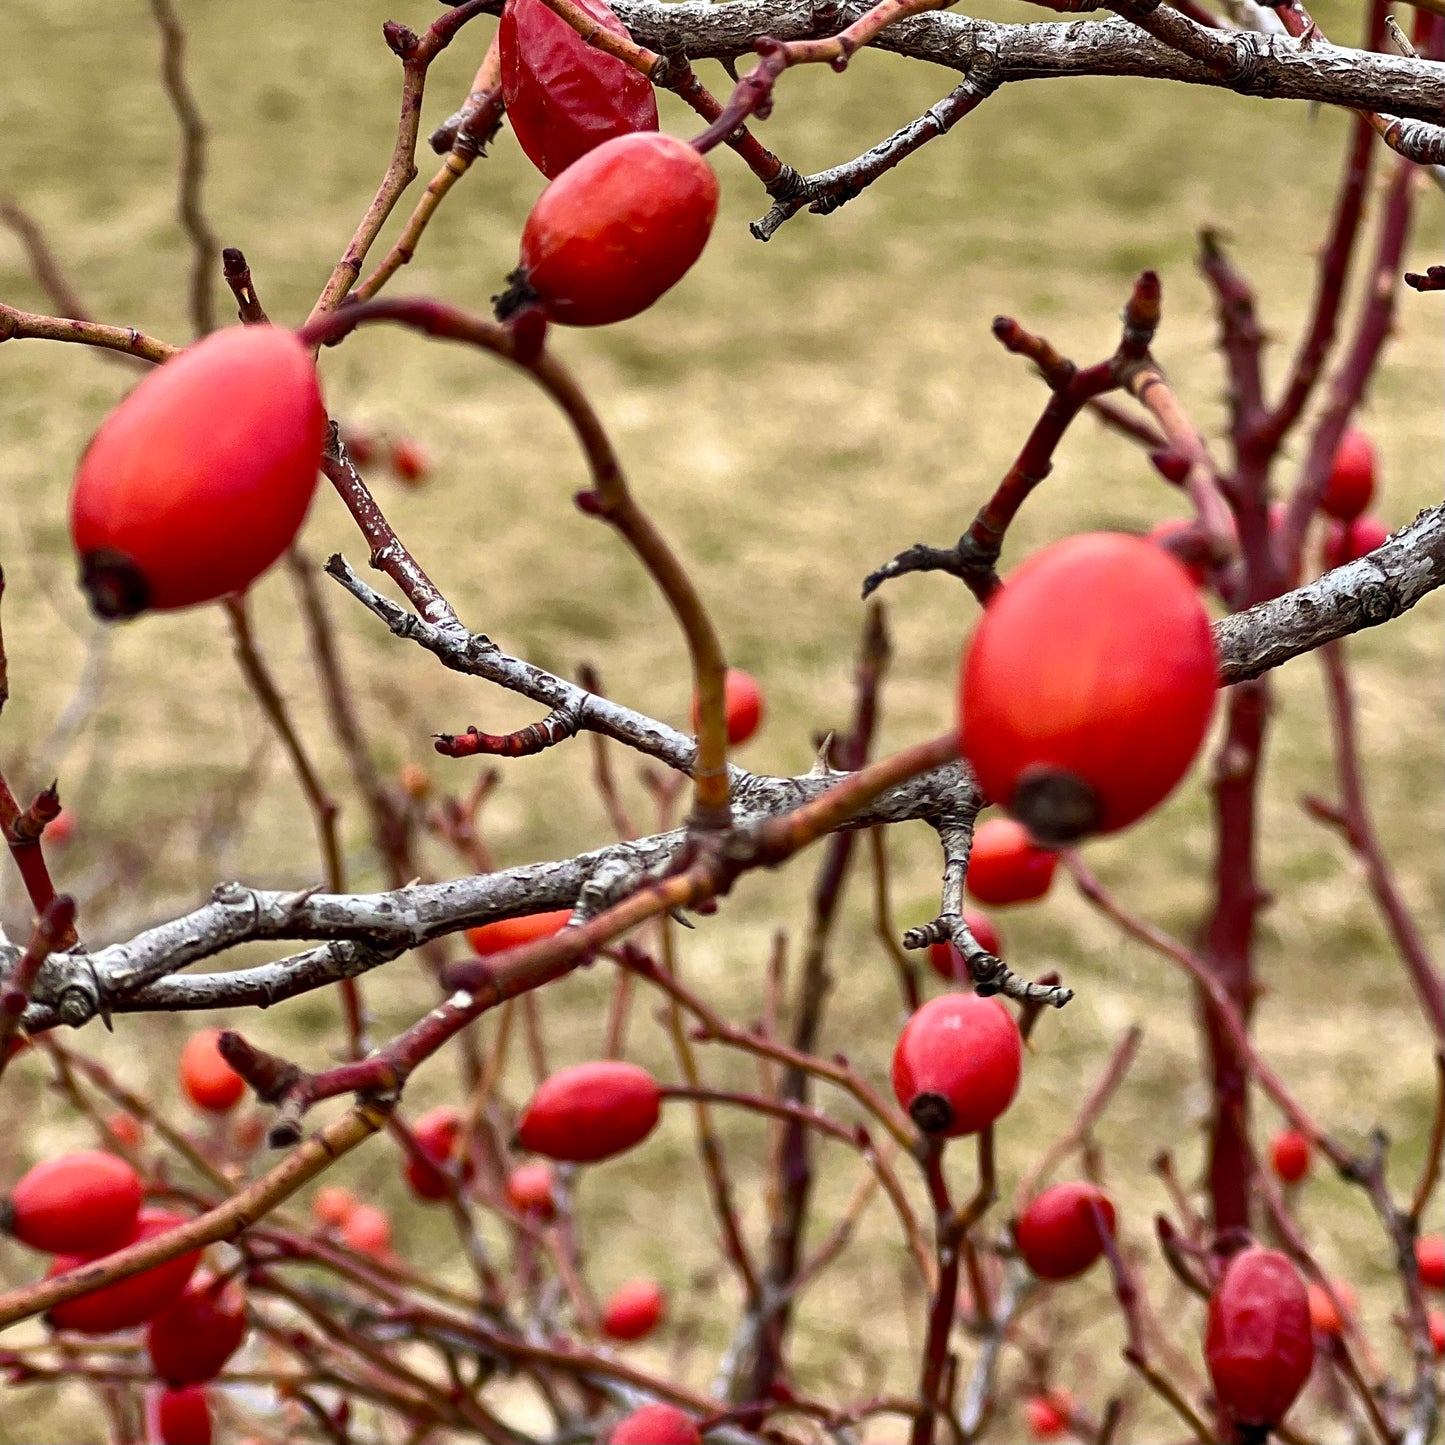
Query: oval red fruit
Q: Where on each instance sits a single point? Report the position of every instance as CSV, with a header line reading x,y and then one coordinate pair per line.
x,y
1088,686
84,1203
957,1063
209,1081
367,1230
409,459
1349,541
1058,1234
131,1301
183,1417
200,479
656,1425
1325,1313
1289,1156
191,1340
742,705
333,1206
616,230
634,1310
531,1190
1005,865
508,933
1435,1323
563,96
591,1112
948,962
1047,1416
1351,483
1430,1259
436,1133
1259,1346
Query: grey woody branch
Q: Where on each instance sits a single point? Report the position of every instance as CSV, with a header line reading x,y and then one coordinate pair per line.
x,y
1275,67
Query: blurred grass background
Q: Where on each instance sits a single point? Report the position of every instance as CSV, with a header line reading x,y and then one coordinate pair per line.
x,y
792,414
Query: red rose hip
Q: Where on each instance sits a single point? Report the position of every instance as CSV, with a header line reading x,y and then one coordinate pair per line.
x,y
84,1203
1351,484
508,933
200,479
563,96
191,1340
615,230
1349,541
634,1310
1058,1234
1006,866
591,1112
183,1417
655,1425
1259,1346
436,1134
367,1230
742,705
209,1081
1047,1416
1088,686
957,1063
531,1190
948,963
1289,1156
1430,1260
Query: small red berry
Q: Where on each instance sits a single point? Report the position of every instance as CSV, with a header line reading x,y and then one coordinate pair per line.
x,y
1047,1416
1058,1234
125,1128
1259,1346
531,1190
591,1112
563,96
200,479
436,1134
1435,1321
360,445
183,1417
957,1063
1351,483
742,704
191,1340
1430,1258
948,962
508,933
84,1203
409,460
1289,1156
131,1301
655,1425
616,229
1005,865
209,1081
634,1310
61,828
333,1206
1325,1316
367,1230
1349,541
1088,686
415,781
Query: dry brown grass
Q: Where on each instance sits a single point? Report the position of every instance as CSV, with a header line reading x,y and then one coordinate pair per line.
x,y
792,414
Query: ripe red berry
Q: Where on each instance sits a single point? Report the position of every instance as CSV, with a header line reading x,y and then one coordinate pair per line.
x,y
948,962
1259,1346
1351,483
1088,686
199,480
125,1127
742,704
615,230
1325,1316
436,1134
360,445
530,1190
333,1206
563,96
1289,1156
1430,1259
957,1062
131,1301
1058,1234
591,1112
1005,865
409,459
656,1425
1435,1321
1047,1416
183,1417
209,1081
367,1230
85,1203
508,933
1347,541
634,1310
61,828
415,781
191,1340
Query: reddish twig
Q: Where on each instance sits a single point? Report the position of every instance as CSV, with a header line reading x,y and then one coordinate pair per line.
x,y
55,923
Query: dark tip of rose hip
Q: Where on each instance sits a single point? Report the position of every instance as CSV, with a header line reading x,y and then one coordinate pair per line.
x,y
932,1113
518,294
1056,807
114,584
